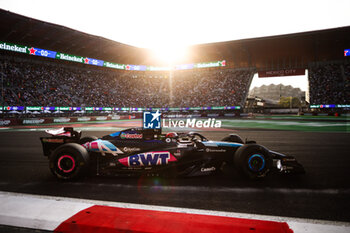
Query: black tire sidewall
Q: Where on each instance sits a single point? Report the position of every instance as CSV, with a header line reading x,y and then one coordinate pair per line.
x,y
242,156
78,153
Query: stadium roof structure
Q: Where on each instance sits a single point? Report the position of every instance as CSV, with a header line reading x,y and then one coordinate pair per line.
x,y
23,30
275,52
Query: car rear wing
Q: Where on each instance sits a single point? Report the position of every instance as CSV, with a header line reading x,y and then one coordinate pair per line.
x,y
59,137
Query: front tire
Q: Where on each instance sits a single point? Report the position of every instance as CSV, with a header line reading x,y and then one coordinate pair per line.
x,y
253,161
69,161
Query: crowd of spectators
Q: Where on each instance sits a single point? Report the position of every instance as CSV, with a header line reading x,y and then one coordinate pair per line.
x,y
28,83
53,84
329,84
214,88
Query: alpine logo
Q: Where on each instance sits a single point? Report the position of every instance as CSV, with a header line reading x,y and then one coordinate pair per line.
x,y
148,159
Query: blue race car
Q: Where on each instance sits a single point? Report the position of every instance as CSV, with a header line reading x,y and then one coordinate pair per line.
x,y
138,151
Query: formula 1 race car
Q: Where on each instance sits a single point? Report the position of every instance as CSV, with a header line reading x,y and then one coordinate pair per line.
x,y
140,151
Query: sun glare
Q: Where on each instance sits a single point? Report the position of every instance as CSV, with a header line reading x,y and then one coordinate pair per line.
x,y
170,55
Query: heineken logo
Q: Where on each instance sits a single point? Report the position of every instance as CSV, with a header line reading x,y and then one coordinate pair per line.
x,y
69,57
114,65
13,47
211,64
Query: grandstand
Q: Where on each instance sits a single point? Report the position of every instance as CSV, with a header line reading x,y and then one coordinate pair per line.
x,y
109,79
54,84
329,83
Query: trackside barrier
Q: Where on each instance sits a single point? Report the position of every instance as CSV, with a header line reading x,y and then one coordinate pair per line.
x,y
62,120
8,122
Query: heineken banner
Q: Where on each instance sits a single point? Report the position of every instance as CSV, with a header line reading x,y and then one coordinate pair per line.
x,y
92,61
201,65
114,65
42,52
51,108
330,106
13,47
184,67
67,57
210,64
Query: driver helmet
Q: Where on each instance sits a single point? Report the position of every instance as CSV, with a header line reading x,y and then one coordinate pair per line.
x,y
172,135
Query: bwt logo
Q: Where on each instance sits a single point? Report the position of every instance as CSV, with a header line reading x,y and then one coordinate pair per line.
x,y
148,159
151,120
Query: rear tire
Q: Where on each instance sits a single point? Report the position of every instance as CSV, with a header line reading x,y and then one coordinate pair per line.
x,y
253,161
69,161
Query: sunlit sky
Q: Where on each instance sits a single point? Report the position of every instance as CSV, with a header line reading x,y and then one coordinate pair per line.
x,y
168,26
154,23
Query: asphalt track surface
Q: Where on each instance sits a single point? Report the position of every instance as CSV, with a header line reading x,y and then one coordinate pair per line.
x,y
322,193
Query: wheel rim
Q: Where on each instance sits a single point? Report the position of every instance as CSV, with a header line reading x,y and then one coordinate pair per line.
x,y
66,163
256,163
